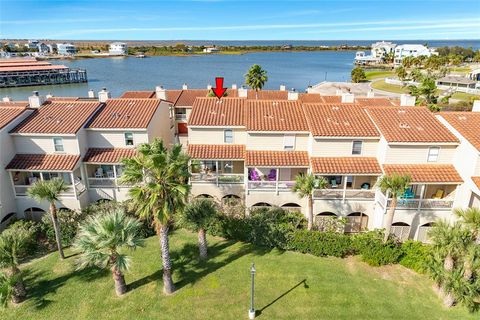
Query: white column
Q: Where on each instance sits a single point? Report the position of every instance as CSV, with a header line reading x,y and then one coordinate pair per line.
x,y
73,184
344,188
114,174
422,194
276,180
41,176
216,171
12,182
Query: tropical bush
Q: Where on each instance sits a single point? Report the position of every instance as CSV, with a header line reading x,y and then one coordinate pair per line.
x,y
358,75
374,251
321,243
69,220
32,229
415,255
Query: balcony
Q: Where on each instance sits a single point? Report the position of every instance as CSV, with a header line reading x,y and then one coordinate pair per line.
x,y
414,204
271,186
347,194
220,178
272,179
217,172
104,175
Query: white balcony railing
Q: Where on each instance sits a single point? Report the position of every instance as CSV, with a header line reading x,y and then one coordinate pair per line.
x,y
221,178
101,182
271,186
412,204
21,191
354,194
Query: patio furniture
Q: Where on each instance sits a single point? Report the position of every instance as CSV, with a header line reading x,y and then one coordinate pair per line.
x,y
334,184
272,176
253,175
110,174
408,194
439,194
99,173
365,186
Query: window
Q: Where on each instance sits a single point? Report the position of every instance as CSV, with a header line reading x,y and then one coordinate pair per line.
x,y
228,136
128,139
58,144
433,154
289,142
357,147
181,114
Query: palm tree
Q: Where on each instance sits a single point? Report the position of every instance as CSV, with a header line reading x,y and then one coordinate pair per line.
x,y
13,243
100,239
6,288
160,189
305,185
197,216
256,77
395,185
471,219
50,190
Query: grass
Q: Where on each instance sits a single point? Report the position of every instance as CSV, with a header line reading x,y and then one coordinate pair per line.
x,y
461,69
382,85
378,74
465,96
288,286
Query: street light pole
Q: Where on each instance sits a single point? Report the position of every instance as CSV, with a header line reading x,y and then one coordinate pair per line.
x,y
251,312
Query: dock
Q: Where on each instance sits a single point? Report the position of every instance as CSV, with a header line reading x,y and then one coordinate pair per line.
x,y
20,72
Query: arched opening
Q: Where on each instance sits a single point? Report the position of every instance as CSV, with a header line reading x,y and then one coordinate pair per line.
x,y
34,214
103,200
356,222
328,222
6,219
259,205
204,196
231,200
400,230
423,231
291,206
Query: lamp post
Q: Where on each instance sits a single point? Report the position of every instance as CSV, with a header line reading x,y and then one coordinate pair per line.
x,y
251,312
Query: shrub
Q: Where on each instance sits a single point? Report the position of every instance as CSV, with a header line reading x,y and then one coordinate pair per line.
x,y
373,251
415,255
272,227
32,229
68,221
321,243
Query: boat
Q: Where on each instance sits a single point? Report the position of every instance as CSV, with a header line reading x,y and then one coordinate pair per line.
x,y
140,56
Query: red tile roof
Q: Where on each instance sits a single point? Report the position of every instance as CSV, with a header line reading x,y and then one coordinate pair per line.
x,y
311,98
467,124
63,98
187,97
339,120
62,117
19,104
8,114
268,115
215,112
217,151
476,180
108,155
173,95
381,102
426,173
276,158
267,95
332,99
43,162
138,94
346,165
410,124
125,114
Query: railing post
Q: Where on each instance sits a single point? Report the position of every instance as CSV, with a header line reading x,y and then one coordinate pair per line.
x,y
276,181
115,176
422,192
344,188
216,171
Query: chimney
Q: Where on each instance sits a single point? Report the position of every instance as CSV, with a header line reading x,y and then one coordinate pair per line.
x,y
348,97
184,86
292,95
283,87
338,92
103,95
310,90
49,95
234,86
7,99
160,93
91,93
476,106
36,100
370,94
407,100
242,92
209,87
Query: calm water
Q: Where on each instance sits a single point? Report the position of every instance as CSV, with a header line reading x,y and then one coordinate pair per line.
x,y
294,69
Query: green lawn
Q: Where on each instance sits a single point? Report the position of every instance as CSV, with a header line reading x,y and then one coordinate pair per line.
x,y
464,96
288,286
381,85
378,74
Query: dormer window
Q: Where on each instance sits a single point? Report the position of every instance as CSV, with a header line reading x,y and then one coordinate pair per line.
x,y
289,142
433,154
228,136
58,144
128,139
357,147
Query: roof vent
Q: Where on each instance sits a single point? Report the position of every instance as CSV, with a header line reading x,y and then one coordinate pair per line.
x,y
401,111
462,118
346,123
336,108
404,126
420,129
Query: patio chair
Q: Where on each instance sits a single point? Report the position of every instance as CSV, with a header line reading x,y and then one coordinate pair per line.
x,y
439,194
99,173
408,194
253,175
334,184
365,186
272,176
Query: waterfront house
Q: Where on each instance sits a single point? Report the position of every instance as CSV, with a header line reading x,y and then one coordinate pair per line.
x,y
117,49
66,49
211,50
411,50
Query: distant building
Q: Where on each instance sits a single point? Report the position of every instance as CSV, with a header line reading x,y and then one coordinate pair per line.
x,y
52,48
211,50
411,50
66,49
32,44
118,49
363,59
43,48
382,48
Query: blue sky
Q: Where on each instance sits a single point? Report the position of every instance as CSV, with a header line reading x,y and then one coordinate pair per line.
x,y
240,20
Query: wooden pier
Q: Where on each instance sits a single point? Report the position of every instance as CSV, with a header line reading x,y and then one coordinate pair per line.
x,y
28,72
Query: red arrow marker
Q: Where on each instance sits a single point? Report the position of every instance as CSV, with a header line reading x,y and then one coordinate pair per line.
x,y
219,90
